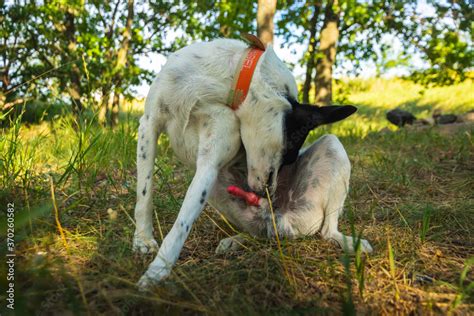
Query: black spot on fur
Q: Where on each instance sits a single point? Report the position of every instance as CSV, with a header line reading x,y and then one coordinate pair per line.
x,y
331,154
197,56
144,156
202,201
148,177
164,108
204,193
142,148
177,76
253,96
144,191
143,136
147,116
182,224
187,228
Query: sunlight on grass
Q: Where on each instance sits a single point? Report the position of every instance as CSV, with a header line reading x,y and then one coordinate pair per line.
x,y
375,97
389,94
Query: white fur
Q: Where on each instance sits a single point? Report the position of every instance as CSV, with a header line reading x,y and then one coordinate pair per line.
x,y
188,102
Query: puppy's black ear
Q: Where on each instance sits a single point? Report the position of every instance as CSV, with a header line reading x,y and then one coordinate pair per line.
x,y
334,113
311,116
302,118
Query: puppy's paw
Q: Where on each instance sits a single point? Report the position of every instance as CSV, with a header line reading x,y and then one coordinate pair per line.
x,y
229,244
349,244
365,246
152,278
143,245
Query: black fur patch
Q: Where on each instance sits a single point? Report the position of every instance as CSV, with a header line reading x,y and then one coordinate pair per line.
x,y
302,118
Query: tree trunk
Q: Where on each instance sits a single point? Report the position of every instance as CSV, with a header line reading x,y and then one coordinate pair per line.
x,y
74,89
5,78
121,63
311,51
114,115
327,48
265,12
104,110
127,35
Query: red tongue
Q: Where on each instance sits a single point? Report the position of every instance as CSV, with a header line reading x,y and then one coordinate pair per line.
x,y
249,197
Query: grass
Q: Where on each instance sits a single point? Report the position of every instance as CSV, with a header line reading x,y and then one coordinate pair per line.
x,y
411,197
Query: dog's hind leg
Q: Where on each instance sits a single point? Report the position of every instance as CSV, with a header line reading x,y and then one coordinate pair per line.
x,y
337,195
148,133
330,231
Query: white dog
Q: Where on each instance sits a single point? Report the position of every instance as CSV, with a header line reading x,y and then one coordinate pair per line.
x,y
254,145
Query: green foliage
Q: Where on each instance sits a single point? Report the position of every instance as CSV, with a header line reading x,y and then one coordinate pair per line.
x,y
450,58
361,25
84,53
87,53
443,41
425,225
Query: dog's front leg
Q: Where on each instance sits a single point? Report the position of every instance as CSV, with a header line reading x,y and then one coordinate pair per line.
x,y
219,142
170,249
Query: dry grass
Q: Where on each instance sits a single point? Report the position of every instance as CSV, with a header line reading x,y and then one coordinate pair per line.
x,y
411,196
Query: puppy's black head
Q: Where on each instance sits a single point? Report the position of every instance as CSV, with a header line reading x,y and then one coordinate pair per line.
x,y
302,118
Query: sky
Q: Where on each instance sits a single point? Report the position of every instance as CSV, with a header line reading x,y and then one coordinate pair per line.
x,y
154,61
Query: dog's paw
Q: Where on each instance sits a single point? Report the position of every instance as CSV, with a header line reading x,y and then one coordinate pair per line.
x,y
365,246
229,244
144,245
152,278
349,244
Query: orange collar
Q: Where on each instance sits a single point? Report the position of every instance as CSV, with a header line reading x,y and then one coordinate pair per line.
x,y
241,86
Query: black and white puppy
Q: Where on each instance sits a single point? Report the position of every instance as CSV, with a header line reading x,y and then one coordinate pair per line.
x,y
256,146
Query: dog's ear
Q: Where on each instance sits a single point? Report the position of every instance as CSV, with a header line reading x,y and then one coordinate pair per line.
x,y
310,116
334,113
302,118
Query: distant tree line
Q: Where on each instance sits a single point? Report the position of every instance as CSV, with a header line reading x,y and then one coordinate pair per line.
x,y
85,53
351,30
